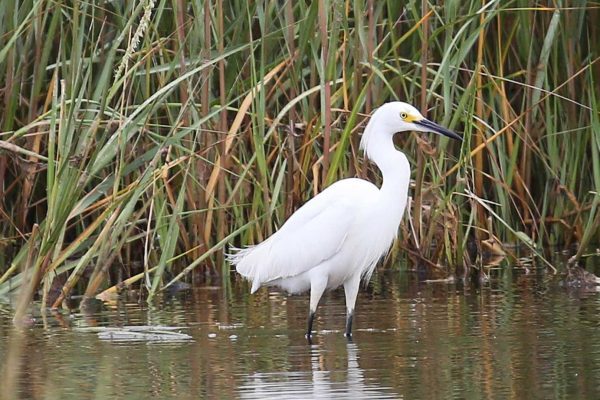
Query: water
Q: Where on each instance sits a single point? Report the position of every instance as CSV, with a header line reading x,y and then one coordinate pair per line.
x,y
521,337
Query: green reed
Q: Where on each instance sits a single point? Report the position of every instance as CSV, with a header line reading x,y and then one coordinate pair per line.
x,y
139,138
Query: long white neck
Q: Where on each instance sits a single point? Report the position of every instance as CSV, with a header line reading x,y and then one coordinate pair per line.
x,y
378,146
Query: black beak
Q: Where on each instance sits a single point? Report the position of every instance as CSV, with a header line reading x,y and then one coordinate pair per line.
x,y
433,127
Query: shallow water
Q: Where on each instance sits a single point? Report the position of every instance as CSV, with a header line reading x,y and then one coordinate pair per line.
x,y
518,337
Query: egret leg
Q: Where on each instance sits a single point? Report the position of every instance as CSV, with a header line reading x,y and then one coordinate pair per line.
x,y
311,318
351,291
348,333
317,287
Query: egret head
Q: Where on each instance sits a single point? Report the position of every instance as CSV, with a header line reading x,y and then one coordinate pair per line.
x,y
397,116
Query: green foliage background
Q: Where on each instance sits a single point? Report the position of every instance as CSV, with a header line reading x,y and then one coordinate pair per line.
x,y
138,137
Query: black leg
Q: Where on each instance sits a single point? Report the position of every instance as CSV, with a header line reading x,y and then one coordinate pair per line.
x,y
311,318
348,332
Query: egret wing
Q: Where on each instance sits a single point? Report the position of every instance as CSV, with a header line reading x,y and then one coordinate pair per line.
x,y
313,234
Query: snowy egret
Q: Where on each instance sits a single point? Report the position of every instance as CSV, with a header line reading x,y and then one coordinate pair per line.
x,y
337,237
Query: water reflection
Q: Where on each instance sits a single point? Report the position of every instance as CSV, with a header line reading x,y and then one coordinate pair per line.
x,y
345,380
519,337
12,364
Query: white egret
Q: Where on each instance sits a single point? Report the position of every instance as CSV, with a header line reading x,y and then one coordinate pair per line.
x,y
337,237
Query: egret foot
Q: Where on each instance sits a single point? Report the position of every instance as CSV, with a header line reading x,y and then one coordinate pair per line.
x,y
308,339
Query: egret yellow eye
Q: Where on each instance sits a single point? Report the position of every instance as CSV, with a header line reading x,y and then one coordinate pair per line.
x,y
403,115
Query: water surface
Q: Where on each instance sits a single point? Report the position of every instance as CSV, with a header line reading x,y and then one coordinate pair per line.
x,y
517,337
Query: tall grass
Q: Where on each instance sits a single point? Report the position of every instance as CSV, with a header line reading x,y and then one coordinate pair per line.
x,y
138,138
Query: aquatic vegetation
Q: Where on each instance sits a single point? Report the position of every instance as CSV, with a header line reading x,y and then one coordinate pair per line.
x,y
138,138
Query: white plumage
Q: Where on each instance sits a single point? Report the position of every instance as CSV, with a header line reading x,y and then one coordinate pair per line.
x,y
338,236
